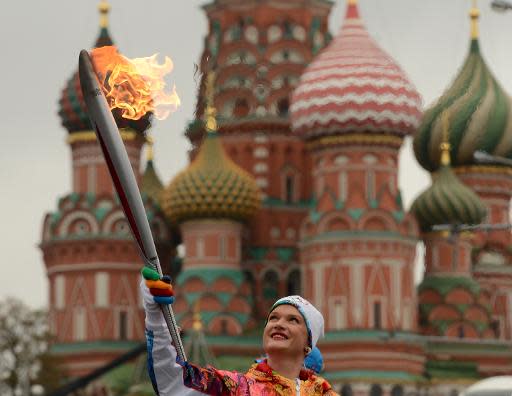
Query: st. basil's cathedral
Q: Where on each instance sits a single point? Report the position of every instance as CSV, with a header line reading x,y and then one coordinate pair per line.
x,y
295,191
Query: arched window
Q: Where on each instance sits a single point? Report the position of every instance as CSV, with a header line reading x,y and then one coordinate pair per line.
x,y
289,189
270,285
397,390
495,327
293,283
346,390
223,327
241,108
461,331
283,107
377,318
123,325
376,390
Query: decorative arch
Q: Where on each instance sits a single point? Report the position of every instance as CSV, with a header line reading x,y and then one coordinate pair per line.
x,y
224,325
193,285
209,302
459,296
476,313
239,304
224,285
288,45
377,221
116,217
72,217
47,228
461,329
237,47
335,221
444,312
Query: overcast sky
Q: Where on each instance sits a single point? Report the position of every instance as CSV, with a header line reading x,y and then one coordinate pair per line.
x,y
40,42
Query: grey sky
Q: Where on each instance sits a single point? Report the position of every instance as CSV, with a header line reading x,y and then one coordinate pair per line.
x,y
40,42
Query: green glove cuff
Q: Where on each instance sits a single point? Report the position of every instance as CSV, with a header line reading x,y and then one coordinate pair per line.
x,y
150,274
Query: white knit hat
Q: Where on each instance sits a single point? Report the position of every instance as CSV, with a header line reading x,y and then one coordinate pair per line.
x,y
312,316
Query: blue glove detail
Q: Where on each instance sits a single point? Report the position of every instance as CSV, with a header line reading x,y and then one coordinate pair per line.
x,y
163,300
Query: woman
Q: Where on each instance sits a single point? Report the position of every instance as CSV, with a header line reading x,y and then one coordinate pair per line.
x,y
293,327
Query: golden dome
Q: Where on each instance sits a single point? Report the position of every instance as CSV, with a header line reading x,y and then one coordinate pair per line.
x,y
213,186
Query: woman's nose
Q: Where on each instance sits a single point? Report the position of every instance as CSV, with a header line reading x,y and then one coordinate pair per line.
x,y
280,323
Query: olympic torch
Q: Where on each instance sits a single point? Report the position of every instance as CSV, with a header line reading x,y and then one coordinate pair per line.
x,y
123,178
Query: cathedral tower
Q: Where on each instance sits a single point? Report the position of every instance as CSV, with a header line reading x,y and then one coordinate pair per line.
x,y
91,260
353,108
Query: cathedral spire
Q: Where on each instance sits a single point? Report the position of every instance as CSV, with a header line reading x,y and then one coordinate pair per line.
x,y
475,15
104,8
211,112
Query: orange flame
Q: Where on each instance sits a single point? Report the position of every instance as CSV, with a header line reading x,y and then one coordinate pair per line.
x,y
136,86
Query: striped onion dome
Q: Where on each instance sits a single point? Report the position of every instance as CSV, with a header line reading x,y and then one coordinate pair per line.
x,y
482,115
72,108
447,200
212,186
353,86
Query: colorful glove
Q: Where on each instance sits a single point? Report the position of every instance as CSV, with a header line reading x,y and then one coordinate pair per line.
x,y
159,287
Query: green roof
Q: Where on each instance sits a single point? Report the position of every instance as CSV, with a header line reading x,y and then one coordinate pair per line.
x,y
95,346
210,275
444,285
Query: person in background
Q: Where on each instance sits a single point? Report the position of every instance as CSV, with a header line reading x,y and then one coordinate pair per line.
x,y
291,332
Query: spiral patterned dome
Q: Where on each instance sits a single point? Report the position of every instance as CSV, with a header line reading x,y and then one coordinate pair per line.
x,y
213,186
72,108
482,115
447,201
353,86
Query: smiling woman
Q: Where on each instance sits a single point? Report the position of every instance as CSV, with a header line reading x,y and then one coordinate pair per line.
x,y
292,330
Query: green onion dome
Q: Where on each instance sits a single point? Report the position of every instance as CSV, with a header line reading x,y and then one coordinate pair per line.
x,y
482,115
213,186
447,200
72,108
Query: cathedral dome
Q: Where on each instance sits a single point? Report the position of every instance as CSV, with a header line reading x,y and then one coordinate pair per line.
x,y
72,108
354,86
447,200
482,115
213,186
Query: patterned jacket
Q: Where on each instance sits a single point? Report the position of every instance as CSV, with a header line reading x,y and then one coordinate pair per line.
x,y
170,376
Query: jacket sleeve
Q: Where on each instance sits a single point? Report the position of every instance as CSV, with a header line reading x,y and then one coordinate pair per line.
x,y
169,375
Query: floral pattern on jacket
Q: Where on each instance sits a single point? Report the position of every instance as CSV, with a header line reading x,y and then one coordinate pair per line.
x,y
260,380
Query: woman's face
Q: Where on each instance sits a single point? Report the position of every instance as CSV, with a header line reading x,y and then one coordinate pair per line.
x,y
285,332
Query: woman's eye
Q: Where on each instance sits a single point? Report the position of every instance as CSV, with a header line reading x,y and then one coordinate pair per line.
x,y
295,320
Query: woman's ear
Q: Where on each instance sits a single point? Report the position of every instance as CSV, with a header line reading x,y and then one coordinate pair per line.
x,y
307,350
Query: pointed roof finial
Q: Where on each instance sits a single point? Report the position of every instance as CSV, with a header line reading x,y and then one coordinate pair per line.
x,y
352,10
211,112
474,14
197,324
445,145
104,8
149,150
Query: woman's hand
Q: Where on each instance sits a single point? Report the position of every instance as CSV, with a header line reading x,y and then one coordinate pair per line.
x,y
157,289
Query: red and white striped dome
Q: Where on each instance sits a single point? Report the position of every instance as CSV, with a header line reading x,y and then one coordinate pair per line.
x,y
353,86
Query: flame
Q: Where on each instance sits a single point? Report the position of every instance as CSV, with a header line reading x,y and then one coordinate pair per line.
x,y
135,86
